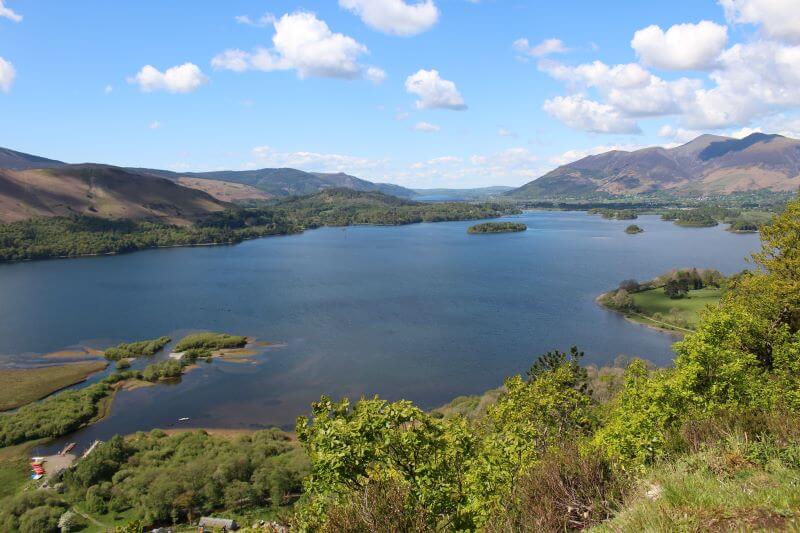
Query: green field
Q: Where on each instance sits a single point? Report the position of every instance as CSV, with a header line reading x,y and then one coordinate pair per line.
x,y
655,301
22,386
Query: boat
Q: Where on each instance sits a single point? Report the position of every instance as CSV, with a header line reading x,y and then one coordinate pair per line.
x,y
184,419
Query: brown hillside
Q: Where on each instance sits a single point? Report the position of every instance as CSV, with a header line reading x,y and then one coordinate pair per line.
x,y
99,190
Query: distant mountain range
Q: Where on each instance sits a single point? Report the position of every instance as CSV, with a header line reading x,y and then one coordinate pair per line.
x,y
31,185
278,182
455,195
708,165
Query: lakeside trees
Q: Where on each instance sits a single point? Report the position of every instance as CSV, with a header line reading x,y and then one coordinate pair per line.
x,y
41,238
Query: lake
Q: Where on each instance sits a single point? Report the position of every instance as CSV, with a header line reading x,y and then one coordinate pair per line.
x,y
424,312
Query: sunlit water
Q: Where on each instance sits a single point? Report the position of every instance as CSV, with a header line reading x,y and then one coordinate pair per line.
x,y
424,312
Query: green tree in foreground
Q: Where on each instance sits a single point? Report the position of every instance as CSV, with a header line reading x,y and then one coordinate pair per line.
x,y
546,456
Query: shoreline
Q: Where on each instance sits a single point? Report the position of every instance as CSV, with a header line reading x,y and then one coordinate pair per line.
x,y
646,321
299,231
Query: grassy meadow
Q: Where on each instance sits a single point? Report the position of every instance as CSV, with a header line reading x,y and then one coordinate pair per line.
x,y
19,387
655,301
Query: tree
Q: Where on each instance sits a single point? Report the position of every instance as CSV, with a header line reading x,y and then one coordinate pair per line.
x,y
629,285
675,289
552,361
70,521
42,519
352,447
621,299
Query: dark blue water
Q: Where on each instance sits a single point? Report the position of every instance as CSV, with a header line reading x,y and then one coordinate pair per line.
x,y
424,312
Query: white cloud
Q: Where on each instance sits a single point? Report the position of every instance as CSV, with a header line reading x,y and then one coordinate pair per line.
x,y
179,79
154,125
754,80
629,89
108,89
265,156
375,75
744,132
545,48
779,19
233,59
513,166
395,17
444,160
571,156
578,112
8,13
749,81
434,92
264,20
7,75
682,46
426,127
304,43
502,132
681,135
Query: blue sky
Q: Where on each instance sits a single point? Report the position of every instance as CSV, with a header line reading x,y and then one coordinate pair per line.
x,y
435,93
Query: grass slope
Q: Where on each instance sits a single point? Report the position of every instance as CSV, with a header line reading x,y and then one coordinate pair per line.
x,y
655,301
22,386
717,490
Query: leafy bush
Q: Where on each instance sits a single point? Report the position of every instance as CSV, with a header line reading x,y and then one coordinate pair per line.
x,y
136,349
169,369
165,478
210,341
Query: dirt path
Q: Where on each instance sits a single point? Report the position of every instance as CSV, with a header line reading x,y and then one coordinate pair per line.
x,y
91,519
650,319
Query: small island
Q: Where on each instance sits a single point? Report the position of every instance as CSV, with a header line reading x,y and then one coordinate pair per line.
x,y
633,229
614,214
497,227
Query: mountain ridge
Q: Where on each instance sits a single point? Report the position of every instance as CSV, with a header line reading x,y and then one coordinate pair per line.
x,y
99,190
706,165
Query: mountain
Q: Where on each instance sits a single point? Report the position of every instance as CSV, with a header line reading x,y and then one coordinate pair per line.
x,y
21,161
708,165
100,190
279,182
455,195
233,185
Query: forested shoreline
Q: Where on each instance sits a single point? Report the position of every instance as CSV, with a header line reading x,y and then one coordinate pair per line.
x,y
82,235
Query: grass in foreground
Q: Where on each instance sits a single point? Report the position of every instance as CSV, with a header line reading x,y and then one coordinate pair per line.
x,y
713,491
14,468
19,387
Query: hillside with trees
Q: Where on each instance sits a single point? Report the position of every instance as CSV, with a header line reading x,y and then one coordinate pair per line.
x,y
41,238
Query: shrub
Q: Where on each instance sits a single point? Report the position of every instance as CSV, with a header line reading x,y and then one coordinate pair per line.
x,y
565,491
136,349
210,341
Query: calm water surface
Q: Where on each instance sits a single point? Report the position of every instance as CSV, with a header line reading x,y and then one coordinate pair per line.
x,y
424,312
